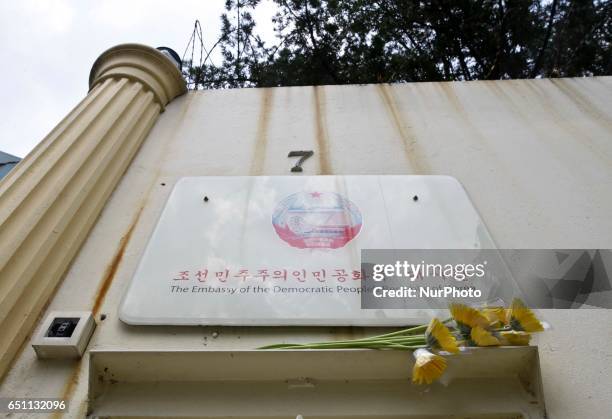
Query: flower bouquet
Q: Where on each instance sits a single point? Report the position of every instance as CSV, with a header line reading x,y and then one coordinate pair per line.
x,y
467,327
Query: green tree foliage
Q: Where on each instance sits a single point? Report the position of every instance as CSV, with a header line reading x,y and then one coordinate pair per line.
x,y
360,41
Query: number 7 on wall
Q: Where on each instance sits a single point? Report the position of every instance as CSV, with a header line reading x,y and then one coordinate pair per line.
x,y
304,155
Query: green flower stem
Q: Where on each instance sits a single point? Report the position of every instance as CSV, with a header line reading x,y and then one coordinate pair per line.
x,y
406,338
403,332
371,340
378,345
417,340
374,339
416,329
400,334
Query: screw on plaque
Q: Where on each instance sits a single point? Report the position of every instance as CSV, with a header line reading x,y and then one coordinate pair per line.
x,y
304,154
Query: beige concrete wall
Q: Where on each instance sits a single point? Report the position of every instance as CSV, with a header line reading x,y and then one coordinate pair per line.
x,y
534,156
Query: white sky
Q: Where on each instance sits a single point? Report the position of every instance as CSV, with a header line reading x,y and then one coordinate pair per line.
x,y
47,48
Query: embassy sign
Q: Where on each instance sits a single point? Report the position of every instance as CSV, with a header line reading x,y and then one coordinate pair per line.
x,y
286,250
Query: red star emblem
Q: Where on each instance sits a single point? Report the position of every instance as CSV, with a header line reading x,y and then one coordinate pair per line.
x,y
315,194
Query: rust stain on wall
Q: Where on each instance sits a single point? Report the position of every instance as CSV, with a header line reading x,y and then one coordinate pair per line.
x,y
109,275
582,102
463,116
569,125
261,138
452,97
524,115
545,133
69,387
465,120
111,269
321,130
411,147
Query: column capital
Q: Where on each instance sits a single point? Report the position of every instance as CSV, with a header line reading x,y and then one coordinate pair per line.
x,y
143,64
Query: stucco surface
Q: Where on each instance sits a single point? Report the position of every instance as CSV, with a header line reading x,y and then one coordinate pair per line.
x,y
534,156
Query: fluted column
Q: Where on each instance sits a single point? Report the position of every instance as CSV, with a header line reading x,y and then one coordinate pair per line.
x,y
50,201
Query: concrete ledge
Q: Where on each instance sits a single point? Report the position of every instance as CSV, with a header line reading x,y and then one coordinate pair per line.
x,y
485,383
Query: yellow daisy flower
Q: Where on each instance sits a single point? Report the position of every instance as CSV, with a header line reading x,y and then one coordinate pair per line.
x,y
428,367
439,337
467,318
523,319
497,316
483,337
515,338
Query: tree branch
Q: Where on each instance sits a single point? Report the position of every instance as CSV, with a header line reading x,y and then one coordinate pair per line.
x,y
538,62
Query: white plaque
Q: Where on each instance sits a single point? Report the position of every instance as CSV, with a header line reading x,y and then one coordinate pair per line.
x,y
285,250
